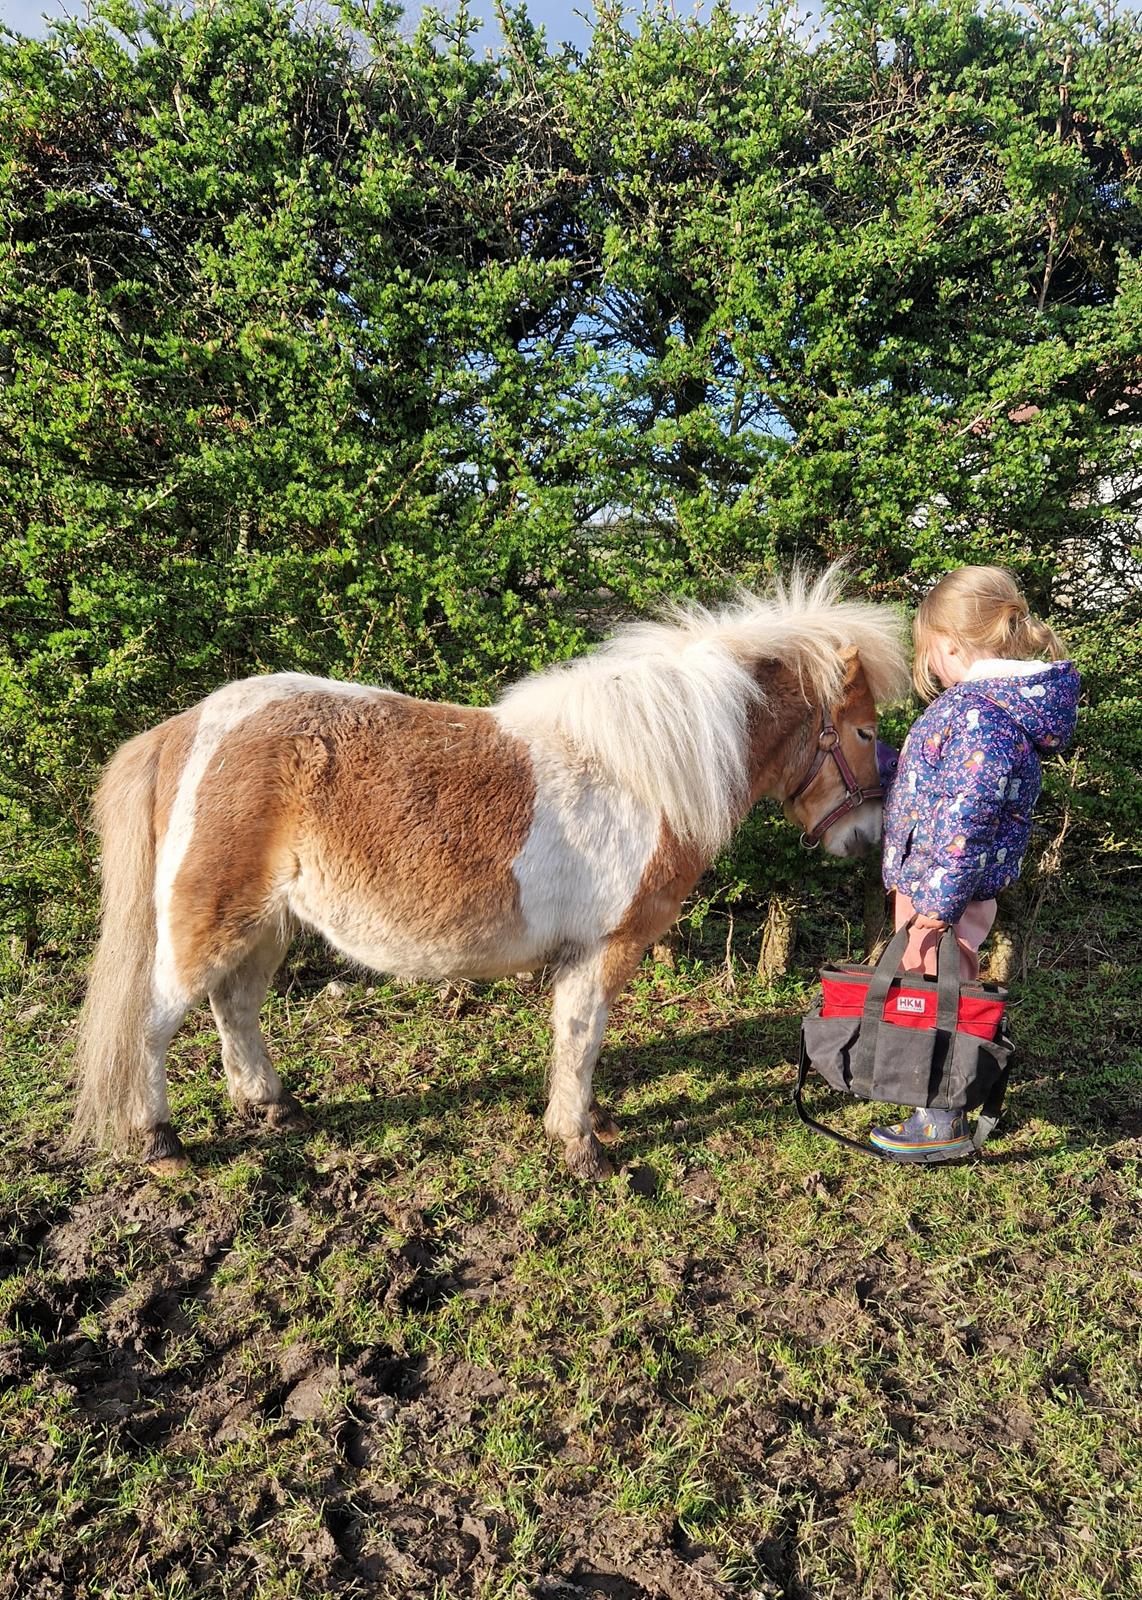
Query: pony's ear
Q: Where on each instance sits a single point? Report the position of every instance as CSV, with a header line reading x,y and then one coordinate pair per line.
x,y
850,655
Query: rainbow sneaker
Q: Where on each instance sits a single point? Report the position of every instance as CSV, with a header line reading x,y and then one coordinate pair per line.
x,y
926,1136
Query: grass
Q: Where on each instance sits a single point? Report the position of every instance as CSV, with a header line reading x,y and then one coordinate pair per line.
x,y
406,1354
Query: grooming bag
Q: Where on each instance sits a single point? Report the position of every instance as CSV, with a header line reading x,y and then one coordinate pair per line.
x,y
907,1039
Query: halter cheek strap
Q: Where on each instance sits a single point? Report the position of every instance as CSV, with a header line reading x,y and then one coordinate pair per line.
x,y
829,744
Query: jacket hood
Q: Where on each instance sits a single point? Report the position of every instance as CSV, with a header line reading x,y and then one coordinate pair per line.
x,y
1043,704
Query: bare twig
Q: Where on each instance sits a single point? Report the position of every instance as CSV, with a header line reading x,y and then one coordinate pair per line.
x,y
1049,865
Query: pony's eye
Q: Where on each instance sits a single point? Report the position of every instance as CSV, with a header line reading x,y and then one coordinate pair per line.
x,y
867,734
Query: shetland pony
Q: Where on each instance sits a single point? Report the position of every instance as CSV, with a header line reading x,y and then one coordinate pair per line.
x,y
562,827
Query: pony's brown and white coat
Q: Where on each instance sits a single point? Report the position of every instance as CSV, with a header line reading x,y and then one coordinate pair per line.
x,y
561,827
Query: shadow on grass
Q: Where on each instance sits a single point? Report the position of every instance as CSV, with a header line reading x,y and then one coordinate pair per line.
x,y
742,1079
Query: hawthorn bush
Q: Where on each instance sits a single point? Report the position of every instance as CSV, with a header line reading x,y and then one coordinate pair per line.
x,y
331,348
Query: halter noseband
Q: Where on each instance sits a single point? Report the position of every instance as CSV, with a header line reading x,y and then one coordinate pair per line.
x,y
829,744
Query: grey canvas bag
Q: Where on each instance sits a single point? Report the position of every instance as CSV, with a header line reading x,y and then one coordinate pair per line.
x,y
910,1040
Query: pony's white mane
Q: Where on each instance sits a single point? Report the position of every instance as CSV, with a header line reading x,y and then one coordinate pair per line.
x,y
663,707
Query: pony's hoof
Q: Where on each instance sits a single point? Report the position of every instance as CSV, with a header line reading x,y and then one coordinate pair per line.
x,y
286,1115
603,1125
585,1159
168,1166
164,1154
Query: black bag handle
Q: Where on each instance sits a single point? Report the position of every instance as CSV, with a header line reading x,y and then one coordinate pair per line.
x,y
887,969
992,1107
803,1066
864,1056
947,1007
884,974
948,982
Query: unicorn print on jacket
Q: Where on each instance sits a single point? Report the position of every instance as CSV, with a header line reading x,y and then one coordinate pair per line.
x,y
958,815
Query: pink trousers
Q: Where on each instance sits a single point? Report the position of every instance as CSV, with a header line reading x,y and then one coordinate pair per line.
x,y
971,930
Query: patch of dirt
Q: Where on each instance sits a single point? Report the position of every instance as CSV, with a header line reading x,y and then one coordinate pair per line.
x,y
131,1313
138,1319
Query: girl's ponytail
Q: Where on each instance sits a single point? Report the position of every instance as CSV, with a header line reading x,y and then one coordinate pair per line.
x,y
1037,638
1017,633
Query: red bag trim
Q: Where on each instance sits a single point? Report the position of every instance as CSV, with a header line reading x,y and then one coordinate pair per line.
x,y
908,1006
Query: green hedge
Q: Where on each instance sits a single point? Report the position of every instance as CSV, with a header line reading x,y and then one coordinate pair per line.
x,y
322,347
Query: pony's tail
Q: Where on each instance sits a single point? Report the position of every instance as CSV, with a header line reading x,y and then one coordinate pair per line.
x,y
110,1062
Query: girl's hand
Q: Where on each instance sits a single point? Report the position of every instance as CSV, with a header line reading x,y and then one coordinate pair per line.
x,y
935,923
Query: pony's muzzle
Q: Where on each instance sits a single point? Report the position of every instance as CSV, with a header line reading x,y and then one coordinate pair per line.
x,y
858,833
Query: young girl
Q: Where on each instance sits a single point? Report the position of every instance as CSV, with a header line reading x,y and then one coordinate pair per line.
x,y
958,814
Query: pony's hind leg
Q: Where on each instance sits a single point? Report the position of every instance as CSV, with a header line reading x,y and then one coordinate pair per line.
x,y
163,1150
236,999
580,1006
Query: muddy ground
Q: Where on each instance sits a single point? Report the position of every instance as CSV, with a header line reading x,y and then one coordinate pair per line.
x,y
751,1365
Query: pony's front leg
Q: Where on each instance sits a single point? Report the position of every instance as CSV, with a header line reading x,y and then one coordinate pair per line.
x,y
581,1003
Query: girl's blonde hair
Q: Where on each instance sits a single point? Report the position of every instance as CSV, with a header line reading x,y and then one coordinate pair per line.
x,y
983,609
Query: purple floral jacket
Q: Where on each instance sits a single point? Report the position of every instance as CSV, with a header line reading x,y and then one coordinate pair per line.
x,y
958,814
